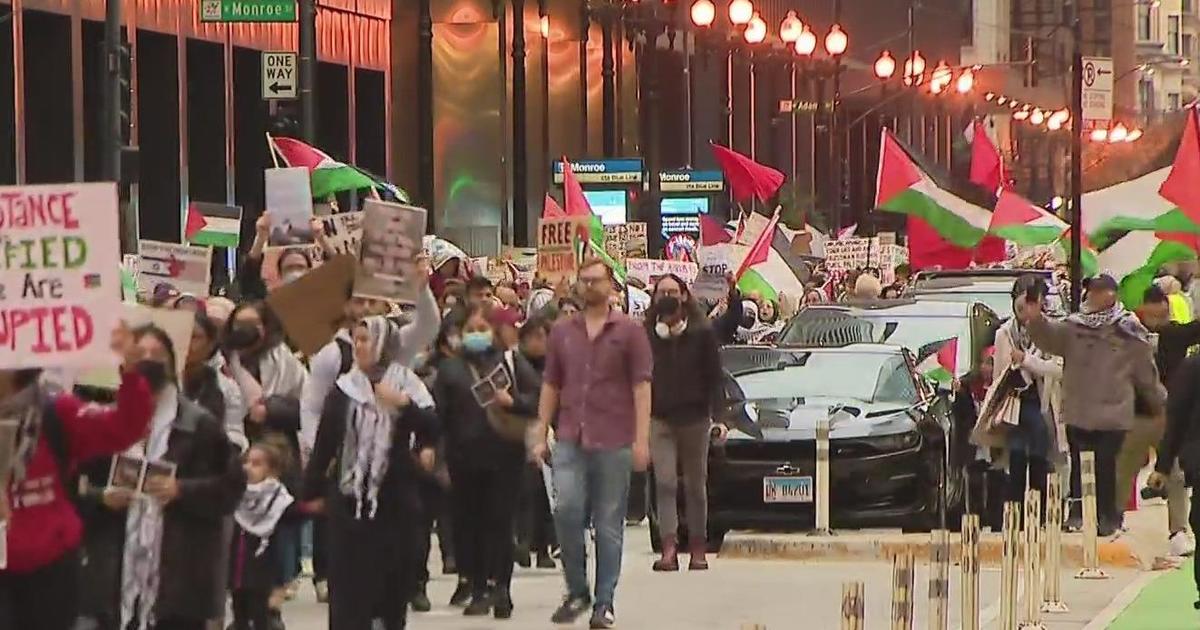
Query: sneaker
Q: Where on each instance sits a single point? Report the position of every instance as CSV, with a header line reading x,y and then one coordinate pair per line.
x,y
503,607
603,617
1182,545
322,589
481,604
462,594
571,609
420,600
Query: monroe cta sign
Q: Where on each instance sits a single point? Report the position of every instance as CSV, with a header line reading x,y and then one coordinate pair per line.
x,y
60,275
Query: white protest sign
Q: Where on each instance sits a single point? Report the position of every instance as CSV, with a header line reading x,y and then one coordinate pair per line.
x,y
391,242
343,232
713,264
60,281
852,253
184,267
289,200
649,270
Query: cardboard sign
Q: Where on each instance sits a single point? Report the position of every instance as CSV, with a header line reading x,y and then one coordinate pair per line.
x,y
627,240
649,270
713,265
557,237
391,243
177,324
60,278
312,308
186,268
289,200
852,253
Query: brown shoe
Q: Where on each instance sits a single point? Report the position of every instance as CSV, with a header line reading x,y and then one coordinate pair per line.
x,y
670,556
698,561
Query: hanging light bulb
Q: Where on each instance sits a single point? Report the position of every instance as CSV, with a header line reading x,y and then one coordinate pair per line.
x,y
1000,100
836,41
1118,133
1099,135
989,96
806,43
741,12
885,66
703,13
1020,115
1037,117
756,30
790,28
1133,135
966,81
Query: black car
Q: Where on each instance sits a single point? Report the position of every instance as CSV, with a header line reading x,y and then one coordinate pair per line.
x,y
889,431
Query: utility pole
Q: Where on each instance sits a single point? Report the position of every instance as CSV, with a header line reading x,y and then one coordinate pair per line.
x,y
520,134
308,70
608,82
1076,157
113,136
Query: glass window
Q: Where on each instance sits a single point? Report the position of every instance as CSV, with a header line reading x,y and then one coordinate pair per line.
x,y
1185,45
1143,28
835,375
1173,101
1173,34
1146,95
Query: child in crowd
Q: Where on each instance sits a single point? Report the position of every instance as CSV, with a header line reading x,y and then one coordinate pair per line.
x,y
252,569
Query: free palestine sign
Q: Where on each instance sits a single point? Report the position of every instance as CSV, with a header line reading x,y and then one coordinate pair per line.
x,y
248,11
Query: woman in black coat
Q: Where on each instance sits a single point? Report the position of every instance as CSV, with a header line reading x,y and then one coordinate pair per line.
x,y
485,450
361,458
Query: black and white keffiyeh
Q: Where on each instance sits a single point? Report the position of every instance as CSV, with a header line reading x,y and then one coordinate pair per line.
x,y
260,509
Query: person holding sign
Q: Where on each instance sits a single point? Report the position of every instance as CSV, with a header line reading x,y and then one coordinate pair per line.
x,y
486,400
364,478
39,580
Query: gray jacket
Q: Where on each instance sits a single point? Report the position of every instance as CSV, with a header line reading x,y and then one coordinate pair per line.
x,y
1105,370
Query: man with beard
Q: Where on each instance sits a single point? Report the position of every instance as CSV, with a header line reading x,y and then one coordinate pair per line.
x,y
597,388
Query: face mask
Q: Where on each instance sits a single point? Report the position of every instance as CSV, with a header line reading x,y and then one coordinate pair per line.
x,y
155,374
477,342
243,336
667,306
291,276
455,342
665,331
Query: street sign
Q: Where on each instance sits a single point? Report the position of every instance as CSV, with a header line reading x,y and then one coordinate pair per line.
x,y
1097,92
248,10
278,75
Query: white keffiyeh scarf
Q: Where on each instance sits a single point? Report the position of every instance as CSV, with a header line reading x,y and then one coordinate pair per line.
x,y
260,509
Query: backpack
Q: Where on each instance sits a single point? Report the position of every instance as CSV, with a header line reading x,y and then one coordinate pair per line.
x,y
347,351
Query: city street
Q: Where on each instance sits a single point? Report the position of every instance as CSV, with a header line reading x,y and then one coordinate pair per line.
x,y
737,593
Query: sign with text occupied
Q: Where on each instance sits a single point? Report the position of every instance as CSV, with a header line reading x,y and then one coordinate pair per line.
x,y
278,75
248,10
60,276
1097,91
557,238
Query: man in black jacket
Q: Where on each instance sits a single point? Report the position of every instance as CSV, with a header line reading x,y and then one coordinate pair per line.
x,y
1182,439
684,393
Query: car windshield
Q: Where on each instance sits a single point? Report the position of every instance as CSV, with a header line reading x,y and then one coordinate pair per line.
x,y
912,331
1001,303
839,375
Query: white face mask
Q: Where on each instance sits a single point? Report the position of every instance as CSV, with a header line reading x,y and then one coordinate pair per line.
x,y
665,331
291,277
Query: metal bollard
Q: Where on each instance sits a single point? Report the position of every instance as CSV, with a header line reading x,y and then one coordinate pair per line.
x,y
1009,568
939,579
853,606
1033,561
1052,594
969,568
902,592
1091,556
822,480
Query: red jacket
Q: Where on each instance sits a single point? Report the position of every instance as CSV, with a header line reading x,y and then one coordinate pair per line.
x,y
43,524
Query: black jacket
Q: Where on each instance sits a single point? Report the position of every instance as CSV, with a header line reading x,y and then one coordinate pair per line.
x,y
727,324
1174,339
469,436
686,385
1182,438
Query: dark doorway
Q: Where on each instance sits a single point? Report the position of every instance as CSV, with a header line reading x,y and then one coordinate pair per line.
x,y
158,137
49,142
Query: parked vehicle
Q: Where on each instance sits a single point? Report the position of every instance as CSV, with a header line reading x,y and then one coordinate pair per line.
x,y
992,287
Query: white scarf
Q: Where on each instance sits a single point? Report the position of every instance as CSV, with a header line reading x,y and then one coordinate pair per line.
x,y
366,449
140,567
280,374
260,509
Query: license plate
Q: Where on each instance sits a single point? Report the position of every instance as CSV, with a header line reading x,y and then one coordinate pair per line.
x,y
787,489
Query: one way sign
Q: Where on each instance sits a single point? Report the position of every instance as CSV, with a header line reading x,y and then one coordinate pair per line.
x,y
278,75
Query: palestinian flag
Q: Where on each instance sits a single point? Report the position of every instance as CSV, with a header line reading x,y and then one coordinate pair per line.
x,y
213,224
328,176
1135,258
576,205
1018,220
903,187
752,281
938,361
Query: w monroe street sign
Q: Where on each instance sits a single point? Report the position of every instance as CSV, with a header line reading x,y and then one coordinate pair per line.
x,y
248,10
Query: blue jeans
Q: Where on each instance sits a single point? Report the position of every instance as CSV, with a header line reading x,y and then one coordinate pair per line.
x,y
596,482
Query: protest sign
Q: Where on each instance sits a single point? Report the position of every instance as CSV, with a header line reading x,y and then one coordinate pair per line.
x,y
649,270
186,268
852,253
311,308
289,200
60,277
626,240
713,265
557,240
391,244
637,302
177,324
343,233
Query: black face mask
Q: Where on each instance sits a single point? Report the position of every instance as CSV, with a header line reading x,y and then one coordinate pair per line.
x,y
667,305
155,374
243,336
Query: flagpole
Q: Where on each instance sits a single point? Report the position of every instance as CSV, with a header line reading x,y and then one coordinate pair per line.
x,y
271,148
1076,265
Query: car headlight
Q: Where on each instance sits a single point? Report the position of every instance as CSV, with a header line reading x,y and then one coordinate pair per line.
x,y
895,442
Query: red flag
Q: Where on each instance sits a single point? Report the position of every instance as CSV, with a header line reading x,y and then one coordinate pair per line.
x,y
761,248
927,249
991,249
576,204
987,167
195,222
712,232
746,177
551,209
1180,186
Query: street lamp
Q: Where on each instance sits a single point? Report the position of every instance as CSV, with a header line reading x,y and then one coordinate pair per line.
x,y
756,30
1118,133
806,43
885,66
914,68
836,41
703,13
1037,117
966,81
790,28
1020,115
1133,135
741,12
940,79
1099,135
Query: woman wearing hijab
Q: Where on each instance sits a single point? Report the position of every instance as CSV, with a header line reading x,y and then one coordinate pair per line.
x,y
377,409
39,587
272,381
173,530
485,446
209,386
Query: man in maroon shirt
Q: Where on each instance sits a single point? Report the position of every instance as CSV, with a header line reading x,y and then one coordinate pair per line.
x,y
597,387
